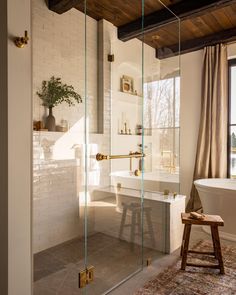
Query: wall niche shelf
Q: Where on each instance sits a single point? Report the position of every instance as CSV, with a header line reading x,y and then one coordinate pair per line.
x,y
46,131
122,134
128,93
129,98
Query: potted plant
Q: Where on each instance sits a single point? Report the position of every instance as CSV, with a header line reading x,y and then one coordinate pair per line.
x,y
54,92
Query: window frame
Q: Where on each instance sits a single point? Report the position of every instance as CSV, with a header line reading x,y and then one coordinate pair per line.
x,y
231,63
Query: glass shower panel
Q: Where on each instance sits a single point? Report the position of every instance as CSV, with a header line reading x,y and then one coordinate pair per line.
x,y
161,130
105,173
58,149
114,208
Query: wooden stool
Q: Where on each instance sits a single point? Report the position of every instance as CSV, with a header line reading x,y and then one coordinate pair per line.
x,y
213,221
135,210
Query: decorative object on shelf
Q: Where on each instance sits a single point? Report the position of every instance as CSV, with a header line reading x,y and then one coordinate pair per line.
x,y
50,121
63,127
54,92
38,126
139,129
126,132
127,84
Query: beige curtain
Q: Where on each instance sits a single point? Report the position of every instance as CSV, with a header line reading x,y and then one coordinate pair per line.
x,y
211,157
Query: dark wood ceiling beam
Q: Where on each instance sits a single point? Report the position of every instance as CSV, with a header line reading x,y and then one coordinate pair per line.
x,y
225,36
61,6
185,9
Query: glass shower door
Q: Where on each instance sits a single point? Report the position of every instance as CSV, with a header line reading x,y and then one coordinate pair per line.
x,y
102,174
131,151
113,208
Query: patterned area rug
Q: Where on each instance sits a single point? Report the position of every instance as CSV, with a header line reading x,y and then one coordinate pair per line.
x,y
195,280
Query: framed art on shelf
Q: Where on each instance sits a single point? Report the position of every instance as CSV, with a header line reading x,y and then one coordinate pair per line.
x,y
127,84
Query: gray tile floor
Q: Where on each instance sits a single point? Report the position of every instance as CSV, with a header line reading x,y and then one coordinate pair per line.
x,y
56,269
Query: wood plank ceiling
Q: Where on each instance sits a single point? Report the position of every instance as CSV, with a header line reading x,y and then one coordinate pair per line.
x,y
201,27
196,27
121,12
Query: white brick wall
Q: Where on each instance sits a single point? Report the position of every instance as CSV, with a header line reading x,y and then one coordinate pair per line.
x,y
59,50
58,162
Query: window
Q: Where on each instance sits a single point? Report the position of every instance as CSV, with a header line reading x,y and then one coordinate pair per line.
x,y
232,119
161,114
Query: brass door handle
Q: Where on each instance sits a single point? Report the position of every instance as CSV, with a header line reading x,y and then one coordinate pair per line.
x,y
101,157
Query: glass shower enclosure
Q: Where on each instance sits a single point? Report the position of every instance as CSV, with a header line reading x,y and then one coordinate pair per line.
x,y
106,166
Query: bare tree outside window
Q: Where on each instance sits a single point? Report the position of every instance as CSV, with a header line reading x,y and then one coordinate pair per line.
x,y
161,114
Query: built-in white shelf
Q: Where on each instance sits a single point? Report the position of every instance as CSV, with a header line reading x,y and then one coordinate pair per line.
x,y
129,98
133,135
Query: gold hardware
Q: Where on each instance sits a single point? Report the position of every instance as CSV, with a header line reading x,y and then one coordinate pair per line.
x,y
22,41
118,186
137,172
110,57
174,195
86,276
101,157
166,192
130,163
149,261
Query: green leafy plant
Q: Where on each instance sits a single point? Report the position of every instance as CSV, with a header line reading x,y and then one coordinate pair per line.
x,y
54,92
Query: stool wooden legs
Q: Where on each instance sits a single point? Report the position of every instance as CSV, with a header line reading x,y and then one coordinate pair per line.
x,y
217,247
183,239
184,250
213,241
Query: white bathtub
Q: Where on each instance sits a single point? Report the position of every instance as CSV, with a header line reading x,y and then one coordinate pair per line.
x,y
153,181
218,197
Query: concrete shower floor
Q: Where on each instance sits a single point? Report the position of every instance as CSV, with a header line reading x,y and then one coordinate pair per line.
x,y
56,269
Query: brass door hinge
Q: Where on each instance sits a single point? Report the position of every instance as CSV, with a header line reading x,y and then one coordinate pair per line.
x,y
86,276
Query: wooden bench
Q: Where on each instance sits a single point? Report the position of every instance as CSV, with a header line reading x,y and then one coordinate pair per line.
x,y
211,220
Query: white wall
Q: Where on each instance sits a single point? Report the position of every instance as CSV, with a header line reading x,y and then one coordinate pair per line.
x,y
127,108
19,150
232,50
190,105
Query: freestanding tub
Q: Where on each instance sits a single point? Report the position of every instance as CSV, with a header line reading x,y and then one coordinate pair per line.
x,y
153,181
218,196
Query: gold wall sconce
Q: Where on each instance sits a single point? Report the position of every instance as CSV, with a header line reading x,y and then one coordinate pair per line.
x,y
20,42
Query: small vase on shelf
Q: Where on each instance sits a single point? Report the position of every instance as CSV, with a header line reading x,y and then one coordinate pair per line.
x,y
50,121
